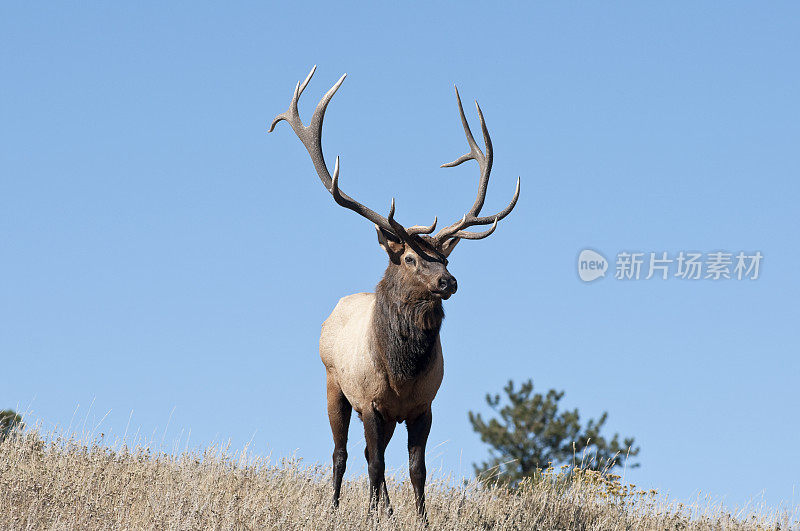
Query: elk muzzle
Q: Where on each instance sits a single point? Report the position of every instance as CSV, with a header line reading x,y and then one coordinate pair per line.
x,y
447,285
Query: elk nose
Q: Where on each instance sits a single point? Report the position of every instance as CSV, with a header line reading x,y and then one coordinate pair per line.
x,y
448,283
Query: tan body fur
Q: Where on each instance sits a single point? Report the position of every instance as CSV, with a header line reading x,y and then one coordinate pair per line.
x,y
354,364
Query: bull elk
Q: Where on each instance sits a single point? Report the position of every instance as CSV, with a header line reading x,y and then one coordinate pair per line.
x,y
381,350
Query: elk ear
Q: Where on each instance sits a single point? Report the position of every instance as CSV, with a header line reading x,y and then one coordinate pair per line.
x,y
390,244
448,246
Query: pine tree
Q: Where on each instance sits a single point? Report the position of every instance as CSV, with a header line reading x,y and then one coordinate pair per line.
x,y
531,434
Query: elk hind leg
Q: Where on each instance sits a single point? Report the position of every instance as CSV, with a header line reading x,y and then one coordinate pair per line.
x,y
339,410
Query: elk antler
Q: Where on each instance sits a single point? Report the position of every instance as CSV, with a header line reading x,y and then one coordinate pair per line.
x,y
449,236
444,241
311,137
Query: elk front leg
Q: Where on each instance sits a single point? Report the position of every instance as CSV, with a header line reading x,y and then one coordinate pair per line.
x,y
388,431
377,432
418,431
339,410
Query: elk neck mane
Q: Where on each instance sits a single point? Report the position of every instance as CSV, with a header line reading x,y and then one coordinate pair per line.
x,y
406,324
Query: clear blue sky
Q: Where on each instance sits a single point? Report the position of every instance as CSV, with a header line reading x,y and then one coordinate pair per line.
x,y
159,250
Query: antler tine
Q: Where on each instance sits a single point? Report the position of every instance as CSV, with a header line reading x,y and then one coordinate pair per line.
x,y
311,137
476,235
486,169
453,230
422,229
319,112
404,235
305,83
293,115
473,146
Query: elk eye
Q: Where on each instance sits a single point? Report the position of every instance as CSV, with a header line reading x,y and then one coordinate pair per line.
x,y
410,260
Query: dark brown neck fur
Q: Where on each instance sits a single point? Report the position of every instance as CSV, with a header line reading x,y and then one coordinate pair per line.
x,y
407,320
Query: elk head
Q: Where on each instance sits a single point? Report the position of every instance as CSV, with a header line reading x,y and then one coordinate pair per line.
x,y
417,259
417,269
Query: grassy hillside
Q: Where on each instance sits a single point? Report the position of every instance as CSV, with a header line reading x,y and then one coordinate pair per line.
x,y
69,484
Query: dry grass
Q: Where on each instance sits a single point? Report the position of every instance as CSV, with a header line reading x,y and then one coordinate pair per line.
x,y
71,484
